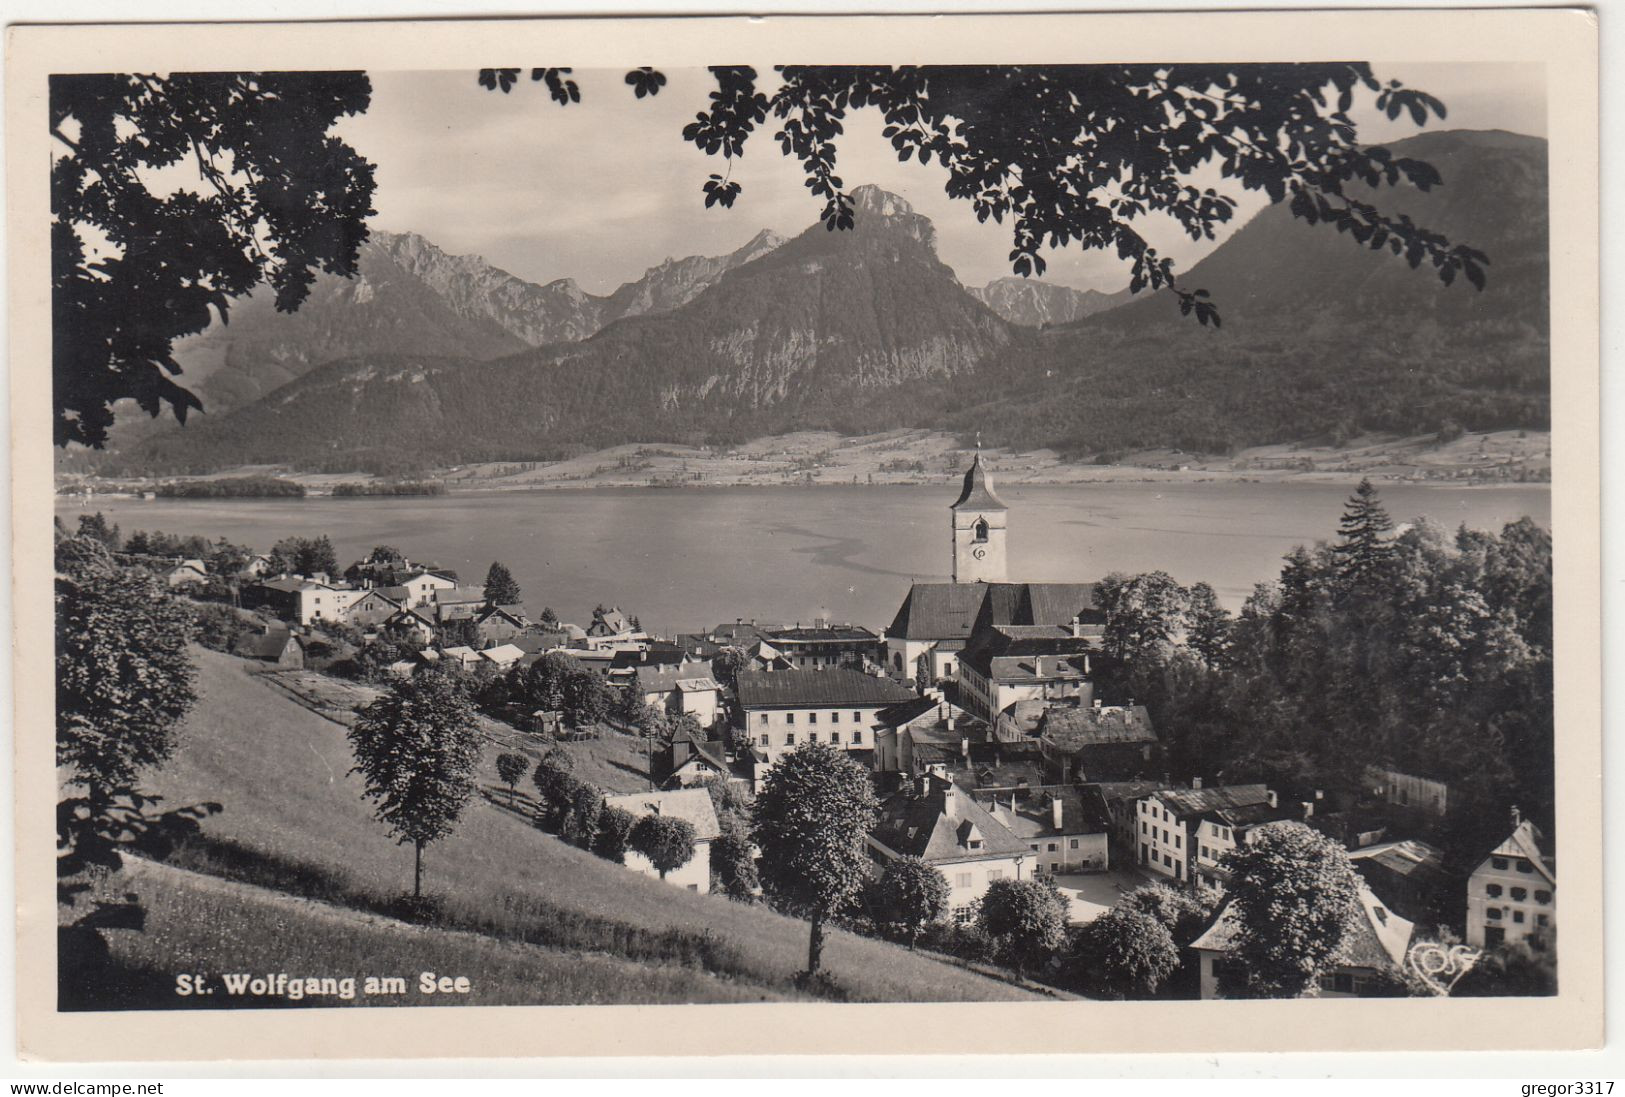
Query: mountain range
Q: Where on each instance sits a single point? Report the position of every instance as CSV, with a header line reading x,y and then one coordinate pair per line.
x,y
867,329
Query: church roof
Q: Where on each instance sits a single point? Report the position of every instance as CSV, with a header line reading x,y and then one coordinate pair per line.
x,y
953,611
978,493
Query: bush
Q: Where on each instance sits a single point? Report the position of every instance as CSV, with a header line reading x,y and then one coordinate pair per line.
x,y
910,895
667,841
1184,914
580,825
511,769
733,861
968,942
614,834
1124,953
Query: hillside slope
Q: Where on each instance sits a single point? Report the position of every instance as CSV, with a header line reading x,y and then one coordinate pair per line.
x,y
282,774
1321,339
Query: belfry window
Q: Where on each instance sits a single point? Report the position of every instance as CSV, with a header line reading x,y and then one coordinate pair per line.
x,y
979,530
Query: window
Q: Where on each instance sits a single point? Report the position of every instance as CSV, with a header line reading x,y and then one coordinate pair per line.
x,y
812,717
962,880
1498,863
1074,844
762,719
1520,894
1053,847
1178,842
790,739
979,530
1493,890
975,843
857,736
1167,860
995,874
1493,914
1034,845
1542,920
1338,983
964,915
1543,897
1517,916
1206,853
1494,935
1143,827
790,718
764,741
1525,867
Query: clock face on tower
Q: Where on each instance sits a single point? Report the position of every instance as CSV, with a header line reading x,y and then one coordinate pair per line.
x,y
980,554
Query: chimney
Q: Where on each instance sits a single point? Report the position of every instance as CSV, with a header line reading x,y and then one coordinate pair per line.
x,y
964,747
1097,702
1274,801
950,719
1055,808
1319,795
1517,817
1196,783
1077,626
1308,809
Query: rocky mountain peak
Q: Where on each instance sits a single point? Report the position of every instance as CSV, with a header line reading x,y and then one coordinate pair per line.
x,y
870,199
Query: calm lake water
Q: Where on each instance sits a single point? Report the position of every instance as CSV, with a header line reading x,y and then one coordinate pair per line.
x,y
690,558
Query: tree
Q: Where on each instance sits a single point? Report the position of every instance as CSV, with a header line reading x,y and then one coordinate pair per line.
x,y
544,681
282,200
727,663
549,619
1026,918
733,860
416,747
97,528
1520,969
1184,914
123,677
1049,147
500,587
614,834
911,895
667,841
1362,549
1208,625
1143,613
556,784
587,698
306,555
1123,953
1294,893
511,768
811,820
580,825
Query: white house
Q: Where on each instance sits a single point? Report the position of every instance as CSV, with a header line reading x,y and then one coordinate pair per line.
x,y
784,709
1166,837
1512,894
940,823
693,804
687,688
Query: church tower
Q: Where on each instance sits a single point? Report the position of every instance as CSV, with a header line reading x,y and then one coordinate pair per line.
x,y
979,527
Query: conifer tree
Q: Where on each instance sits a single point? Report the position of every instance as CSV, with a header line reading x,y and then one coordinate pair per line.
x,y
500,587
1363,545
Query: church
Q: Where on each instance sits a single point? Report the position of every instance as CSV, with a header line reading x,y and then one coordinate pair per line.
x,y
937,622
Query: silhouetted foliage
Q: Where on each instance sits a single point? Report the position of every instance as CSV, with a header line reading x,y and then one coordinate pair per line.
x,y
667,841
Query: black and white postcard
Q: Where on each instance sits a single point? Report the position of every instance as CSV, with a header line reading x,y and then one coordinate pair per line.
x,y
718,536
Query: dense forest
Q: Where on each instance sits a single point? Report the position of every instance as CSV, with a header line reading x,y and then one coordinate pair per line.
x,y
1421,649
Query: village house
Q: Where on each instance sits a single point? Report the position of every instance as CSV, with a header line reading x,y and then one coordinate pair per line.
x,y
1067,827
1169,819
940,823
1408,876
1227,825
372,608
1373,949
1413,793
693,804
922,731
460,657
187,573
1512,894
1098,742
499,624
258,567
301,600
421,586
410,626
502,656
1005,665
823,645
689,761
837,706
278,648
1122,799
685,689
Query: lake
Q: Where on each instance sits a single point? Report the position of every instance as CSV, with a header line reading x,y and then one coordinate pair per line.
x,y
686,559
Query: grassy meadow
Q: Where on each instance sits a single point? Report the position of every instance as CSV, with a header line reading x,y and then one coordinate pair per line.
x,y
294,822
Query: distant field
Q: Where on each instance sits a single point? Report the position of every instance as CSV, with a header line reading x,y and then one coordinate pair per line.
x,y
291,805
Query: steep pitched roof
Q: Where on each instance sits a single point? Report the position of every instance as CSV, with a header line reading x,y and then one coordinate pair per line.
x,y
1183,802
1071,729
939,827
826,633
693,804
268,645
1527,840
954,611
694,676
1031,652
1083,811
803,688
977,493
1375,938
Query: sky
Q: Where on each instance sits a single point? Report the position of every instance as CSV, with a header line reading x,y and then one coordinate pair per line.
x,y
604,189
